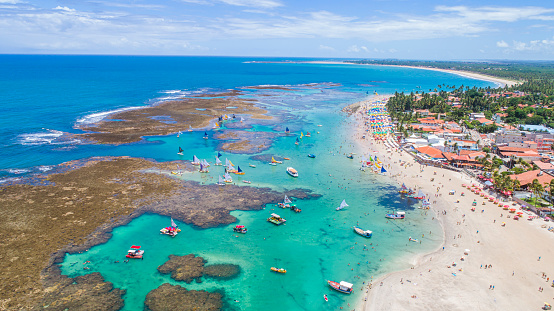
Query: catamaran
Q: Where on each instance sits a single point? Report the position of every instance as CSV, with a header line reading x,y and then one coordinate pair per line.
x,y
205,163
342,205
180,151
221,182
135,252
215,126
297,141
205,135
195,160
240,229
241,119
190,128
287,130
276,219
308,134
285,203
171,231
292,172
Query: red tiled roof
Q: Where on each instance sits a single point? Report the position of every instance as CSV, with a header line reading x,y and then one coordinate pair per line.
x,y
516,149
430,151
528,177
543,165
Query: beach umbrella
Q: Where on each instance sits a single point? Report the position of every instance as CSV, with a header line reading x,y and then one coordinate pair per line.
x,y
520,213
507,206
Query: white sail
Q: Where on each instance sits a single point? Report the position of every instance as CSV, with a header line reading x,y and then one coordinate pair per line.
x,y
221,181
342,205
420,194
241,119
230,168
287,200
227,163
205,163
228,177
195,160
217,161
173,224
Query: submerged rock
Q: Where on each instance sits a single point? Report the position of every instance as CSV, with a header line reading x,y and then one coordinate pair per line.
x,y
176,298
184,268
87,292
222,271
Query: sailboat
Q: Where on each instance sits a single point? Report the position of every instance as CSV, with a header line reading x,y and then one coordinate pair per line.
x,y
287,130
297,141
383,170
203,169
239,171
420,195
308,134
218,154
241,119
228,178
275,161
171,231
286,202
205,163
178,172
195,160
215,126
301,135
180,151
217,161
342,205
190,128
205,135
221,181
179,134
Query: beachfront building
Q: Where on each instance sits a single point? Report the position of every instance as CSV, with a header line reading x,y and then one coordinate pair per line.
x,y
525,179
529,155
429,153
476,116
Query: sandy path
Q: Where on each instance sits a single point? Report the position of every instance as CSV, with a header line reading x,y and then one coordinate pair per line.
x,y
514,248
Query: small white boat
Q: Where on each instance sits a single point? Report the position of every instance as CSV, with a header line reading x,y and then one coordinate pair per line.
x,y
292,172
342,205
247,181
252,165
221,181
364,233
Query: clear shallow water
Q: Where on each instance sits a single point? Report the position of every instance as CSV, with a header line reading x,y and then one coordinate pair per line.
x,y
43,96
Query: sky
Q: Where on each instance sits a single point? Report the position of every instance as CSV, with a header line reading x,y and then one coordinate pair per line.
x,y
399,29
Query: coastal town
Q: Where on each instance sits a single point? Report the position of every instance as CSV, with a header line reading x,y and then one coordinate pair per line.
x,y
490,184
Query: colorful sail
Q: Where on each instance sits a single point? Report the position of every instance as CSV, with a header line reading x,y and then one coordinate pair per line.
x,y
173,224
238,169
301,134
383,170
180,151
218,154
217,161
287,130
287,200
195,160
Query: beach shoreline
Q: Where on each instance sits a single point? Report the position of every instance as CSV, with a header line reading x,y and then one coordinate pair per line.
x,y
467,74
433,282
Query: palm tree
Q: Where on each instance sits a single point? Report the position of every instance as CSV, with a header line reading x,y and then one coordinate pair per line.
x,y
536,187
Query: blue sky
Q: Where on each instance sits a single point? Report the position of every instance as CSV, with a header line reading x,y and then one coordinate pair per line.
x,y
405,29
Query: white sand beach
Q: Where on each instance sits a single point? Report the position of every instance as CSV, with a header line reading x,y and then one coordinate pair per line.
x,y
500,81
513,250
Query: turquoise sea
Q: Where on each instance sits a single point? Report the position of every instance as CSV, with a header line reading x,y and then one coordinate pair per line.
x,y
44,97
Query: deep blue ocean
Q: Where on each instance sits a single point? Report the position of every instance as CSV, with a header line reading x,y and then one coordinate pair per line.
x,y
44,98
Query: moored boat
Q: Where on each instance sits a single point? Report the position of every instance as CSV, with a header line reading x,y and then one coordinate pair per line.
x,y
240,229
247,181
171,231
180,151
228,178
205,135
278,270
195,160
398,215
292,172
135,252
343,287
276,219
311,155
364,233
239,171
275,161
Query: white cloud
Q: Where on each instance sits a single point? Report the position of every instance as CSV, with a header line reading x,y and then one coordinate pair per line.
x,y
64,8
10,1
535,45
325,47
266,4
502,44
357,49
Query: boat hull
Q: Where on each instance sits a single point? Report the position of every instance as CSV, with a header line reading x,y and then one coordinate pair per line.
x,y
336,286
